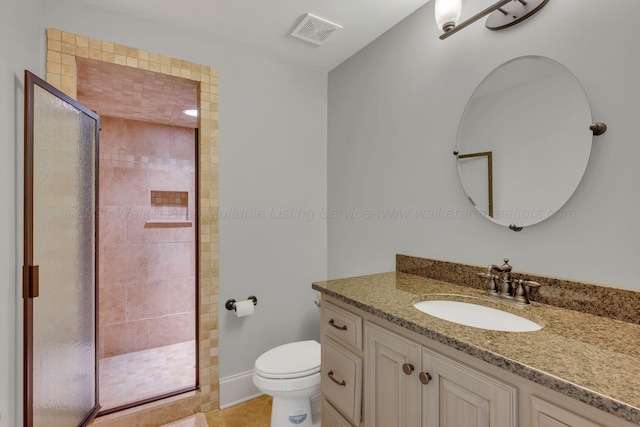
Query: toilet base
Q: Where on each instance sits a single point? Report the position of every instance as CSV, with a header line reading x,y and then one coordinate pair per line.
x,y
302,411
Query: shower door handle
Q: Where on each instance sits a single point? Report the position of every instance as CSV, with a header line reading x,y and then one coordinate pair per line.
x,y
31,281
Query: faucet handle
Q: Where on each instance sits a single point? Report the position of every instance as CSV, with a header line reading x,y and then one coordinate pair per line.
x,y
506,267
523,289
520,293
493,287
528,284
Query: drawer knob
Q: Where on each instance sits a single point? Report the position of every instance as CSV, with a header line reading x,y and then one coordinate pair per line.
x,y
333,323
425,377
340,383
408,368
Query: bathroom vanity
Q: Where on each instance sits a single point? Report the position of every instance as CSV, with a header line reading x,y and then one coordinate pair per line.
x,y
385,363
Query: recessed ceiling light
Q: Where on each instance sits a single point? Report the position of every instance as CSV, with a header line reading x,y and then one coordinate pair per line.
x,y
191,112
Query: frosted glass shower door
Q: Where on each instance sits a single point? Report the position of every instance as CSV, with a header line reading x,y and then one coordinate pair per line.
x,y
61,142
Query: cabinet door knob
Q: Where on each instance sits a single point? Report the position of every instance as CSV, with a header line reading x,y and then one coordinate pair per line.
x,y
340,383
425,377
333,323
407,368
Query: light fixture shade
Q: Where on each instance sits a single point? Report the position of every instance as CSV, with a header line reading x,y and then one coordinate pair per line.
x,y
447,13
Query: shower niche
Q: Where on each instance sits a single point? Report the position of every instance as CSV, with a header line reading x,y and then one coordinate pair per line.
x,y
169,209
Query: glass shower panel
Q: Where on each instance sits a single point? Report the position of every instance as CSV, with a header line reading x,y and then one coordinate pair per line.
x,y
64,353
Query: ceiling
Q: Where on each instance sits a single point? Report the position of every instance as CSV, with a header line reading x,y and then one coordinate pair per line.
x,y
266,25
129,93
260,25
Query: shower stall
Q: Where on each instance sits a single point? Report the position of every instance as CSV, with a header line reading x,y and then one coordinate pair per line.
x,y
147,260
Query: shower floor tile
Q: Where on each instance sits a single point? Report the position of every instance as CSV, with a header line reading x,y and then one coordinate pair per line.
x,y
131,377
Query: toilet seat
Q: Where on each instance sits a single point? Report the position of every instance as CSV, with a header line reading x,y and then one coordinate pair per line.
x,y
289,361
271,385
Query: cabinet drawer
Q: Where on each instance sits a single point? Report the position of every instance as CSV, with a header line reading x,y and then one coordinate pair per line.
x,y
331,417
342,380
342,325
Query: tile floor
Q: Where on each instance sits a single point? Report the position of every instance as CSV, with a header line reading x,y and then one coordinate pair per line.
x,y
253,413
135,376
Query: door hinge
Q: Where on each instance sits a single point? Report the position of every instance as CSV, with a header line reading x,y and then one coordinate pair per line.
x,y
30,281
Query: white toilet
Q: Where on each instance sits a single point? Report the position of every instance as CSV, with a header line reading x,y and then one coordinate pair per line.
x,y
290,373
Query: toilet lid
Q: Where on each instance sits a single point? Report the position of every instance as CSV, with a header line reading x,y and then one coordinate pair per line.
x,y
293,360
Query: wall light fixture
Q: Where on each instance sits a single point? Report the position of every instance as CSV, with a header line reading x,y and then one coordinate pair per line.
x,y
502,14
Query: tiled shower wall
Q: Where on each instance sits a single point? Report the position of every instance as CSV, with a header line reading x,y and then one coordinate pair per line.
x,y
147,259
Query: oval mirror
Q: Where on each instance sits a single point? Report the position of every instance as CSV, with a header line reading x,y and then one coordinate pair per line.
x,y
524,141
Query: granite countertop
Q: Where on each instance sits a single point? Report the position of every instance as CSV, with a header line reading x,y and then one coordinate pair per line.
x,y
590,358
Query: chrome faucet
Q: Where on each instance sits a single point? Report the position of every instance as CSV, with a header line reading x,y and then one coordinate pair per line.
x,y
510,289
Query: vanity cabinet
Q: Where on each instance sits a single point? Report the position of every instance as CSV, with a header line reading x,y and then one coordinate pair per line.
x,y
411,385
394,377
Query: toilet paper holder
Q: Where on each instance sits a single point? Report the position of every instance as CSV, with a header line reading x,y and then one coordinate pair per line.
x,y
231,303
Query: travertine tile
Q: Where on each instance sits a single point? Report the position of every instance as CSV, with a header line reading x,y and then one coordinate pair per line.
x,y
96,44
118,49
68,38
54,34
108,47
82,41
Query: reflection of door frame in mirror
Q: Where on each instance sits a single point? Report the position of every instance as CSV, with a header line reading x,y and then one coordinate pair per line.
x,y
489,155
62,50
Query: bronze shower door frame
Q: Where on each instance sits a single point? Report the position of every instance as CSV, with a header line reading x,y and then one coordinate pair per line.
x,y
30,279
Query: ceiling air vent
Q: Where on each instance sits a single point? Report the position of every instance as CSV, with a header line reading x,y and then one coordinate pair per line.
x,y
314,29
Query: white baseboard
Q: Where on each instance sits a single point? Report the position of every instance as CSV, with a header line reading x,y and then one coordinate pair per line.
x,y
237,389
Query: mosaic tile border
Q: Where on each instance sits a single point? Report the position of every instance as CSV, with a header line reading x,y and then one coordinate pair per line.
x,y
599,300
62,50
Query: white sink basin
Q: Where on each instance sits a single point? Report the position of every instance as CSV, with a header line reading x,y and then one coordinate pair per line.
x,y
477,316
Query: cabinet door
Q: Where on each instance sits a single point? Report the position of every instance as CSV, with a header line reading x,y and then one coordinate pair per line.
x,y
392,397
458,396
545,414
